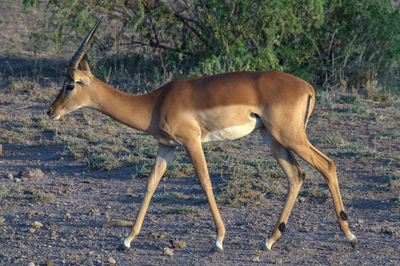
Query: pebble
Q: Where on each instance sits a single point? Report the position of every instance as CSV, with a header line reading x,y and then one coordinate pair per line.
x,y
256,259
50,263
31,264
95,212
177,244
2,220
88,262
10,176
1,149
301,199
168,252
386,229
33,173
37,224
67,215
111,260
152,234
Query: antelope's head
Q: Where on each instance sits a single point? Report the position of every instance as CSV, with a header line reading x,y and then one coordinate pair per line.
x,y
77,82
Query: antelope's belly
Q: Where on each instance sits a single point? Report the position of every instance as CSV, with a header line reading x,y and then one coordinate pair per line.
x,y
234,132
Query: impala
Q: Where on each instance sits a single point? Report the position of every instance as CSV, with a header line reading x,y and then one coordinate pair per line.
x,y
194,110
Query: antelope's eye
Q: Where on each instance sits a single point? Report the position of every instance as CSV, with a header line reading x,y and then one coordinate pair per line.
x,y
69,87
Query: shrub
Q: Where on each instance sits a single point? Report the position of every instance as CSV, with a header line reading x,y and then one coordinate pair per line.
x,y
328,43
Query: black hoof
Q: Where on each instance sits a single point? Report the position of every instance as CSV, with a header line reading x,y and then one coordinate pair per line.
x,y
122,247
216,249
264,248
354,242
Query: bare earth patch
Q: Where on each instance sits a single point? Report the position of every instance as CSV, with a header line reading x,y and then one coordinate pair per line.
x,y
75,203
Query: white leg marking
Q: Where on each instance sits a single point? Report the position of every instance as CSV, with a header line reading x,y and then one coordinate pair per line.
x,y
126,243
218,245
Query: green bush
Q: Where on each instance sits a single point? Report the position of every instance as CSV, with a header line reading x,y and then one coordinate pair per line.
x,y
332,44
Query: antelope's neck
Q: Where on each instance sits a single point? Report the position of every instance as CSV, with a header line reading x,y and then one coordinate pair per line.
x,y
132,110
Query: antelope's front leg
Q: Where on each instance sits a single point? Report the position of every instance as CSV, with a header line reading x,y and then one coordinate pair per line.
x,y
163,157
195,152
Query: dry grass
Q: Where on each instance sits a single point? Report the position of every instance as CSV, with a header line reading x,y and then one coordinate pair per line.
x,y
103,144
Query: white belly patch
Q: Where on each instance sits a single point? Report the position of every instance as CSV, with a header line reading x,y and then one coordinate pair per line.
x,y
235,132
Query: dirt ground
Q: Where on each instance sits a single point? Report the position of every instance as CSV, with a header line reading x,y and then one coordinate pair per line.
x,y
56,209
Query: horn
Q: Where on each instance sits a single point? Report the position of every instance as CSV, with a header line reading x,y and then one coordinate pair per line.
x,y
74,62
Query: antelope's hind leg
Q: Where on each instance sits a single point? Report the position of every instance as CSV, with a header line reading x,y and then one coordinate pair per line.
x,y
295,176
327,168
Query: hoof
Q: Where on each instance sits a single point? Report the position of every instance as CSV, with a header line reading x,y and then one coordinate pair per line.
x,y
267,246
216,249
122,247
354,242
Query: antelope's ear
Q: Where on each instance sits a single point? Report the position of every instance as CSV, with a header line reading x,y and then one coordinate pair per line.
x,y
84,64
80,77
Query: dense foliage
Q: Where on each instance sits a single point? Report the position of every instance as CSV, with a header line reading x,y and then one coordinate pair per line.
x,y
329,43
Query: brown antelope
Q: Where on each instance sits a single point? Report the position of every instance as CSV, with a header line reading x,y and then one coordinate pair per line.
x,y
194,110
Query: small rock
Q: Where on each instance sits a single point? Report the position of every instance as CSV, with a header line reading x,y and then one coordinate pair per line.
x,y
256,259
31,264
50,263
301,199
10,176
279,262
176,244
388,230
63,240
111,260
37,224
152,234
17,180
2,220
67,216
129,191
1,149
32,230
360,221
88,262
33,173
49,225
168,252
95,212
22,246
258,253
163,235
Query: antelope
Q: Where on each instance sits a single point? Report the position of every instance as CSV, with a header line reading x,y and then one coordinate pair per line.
x,y
194,110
